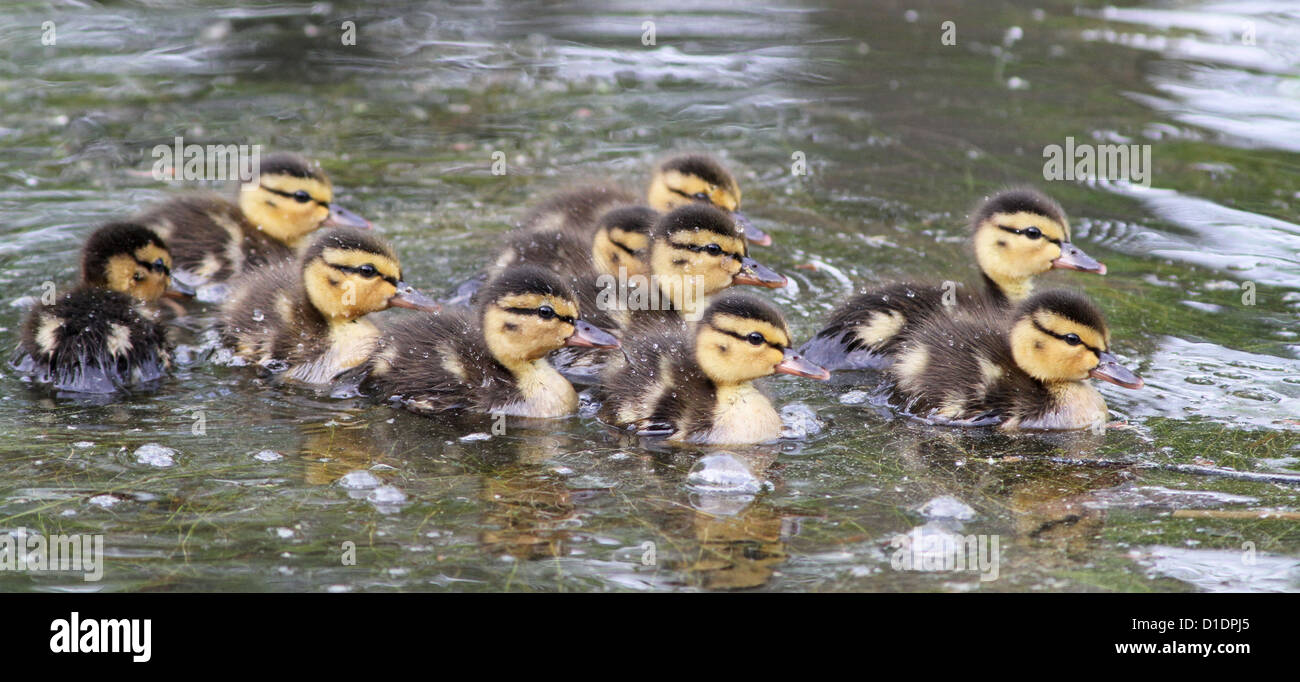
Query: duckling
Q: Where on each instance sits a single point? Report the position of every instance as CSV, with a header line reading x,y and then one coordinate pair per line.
x,y
686,179
694,253
1017,234
1023,370
492,360
680,180
103,335
306,317
694,384
214,239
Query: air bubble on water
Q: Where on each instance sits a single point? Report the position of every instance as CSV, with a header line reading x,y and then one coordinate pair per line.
x,y
947,507
473,437
387,499
104,501
83,444
723,473
268,456
854,397
359,480
799,421
156,455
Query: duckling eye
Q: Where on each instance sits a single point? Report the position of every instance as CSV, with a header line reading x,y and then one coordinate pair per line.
x,y
139,277
1072,339
301,196
755,338
713,249
1034,233
546,312
367,271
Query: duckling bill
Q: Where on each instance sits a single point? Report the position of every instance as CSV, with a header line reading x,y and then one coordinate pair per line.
x,y
101,336
307,317
1017,235
492,360
1023,370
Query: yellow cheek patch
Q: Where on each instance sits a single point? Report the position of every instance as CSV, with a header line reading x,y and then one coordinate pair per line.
x,y
120,272
743,326
636,241
725,199
353,258
562,307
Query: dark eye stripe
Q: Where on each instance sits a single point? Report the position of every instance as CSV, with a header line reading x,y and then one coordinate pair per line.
x,y
700,249
630,251
534,311
357,271
154,267
289,195
1051,333
1013,230
678,192
745,338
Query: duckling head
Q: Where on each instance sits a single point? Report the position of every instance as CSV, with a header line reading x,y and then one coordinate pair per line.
x,y
623,239
688,179
528,311
1061,336
348,273
697,246
1022,233
292,198
742,338
131,259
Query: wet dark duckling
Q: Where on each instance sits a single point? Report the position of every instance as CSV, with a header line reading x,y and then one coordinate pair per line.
x,y
1027,369
695,384
102,337
306,317
1017,235
491,360
214,239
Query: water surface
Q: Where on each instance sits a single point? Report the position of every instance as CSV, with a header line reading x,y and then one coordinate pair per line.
x,y
901,133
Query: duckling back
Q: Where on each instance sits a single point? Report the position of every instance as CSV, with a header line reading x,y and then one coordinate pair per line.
x,y
435,363
92,340
210,239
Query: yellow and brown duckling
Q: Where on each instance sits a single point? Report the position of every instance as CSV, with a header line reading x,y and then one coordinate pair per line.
x,y
1027,369
102,336
687,179
680,180
1017,235
214,239
694,253
306,317
491,360
695,384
